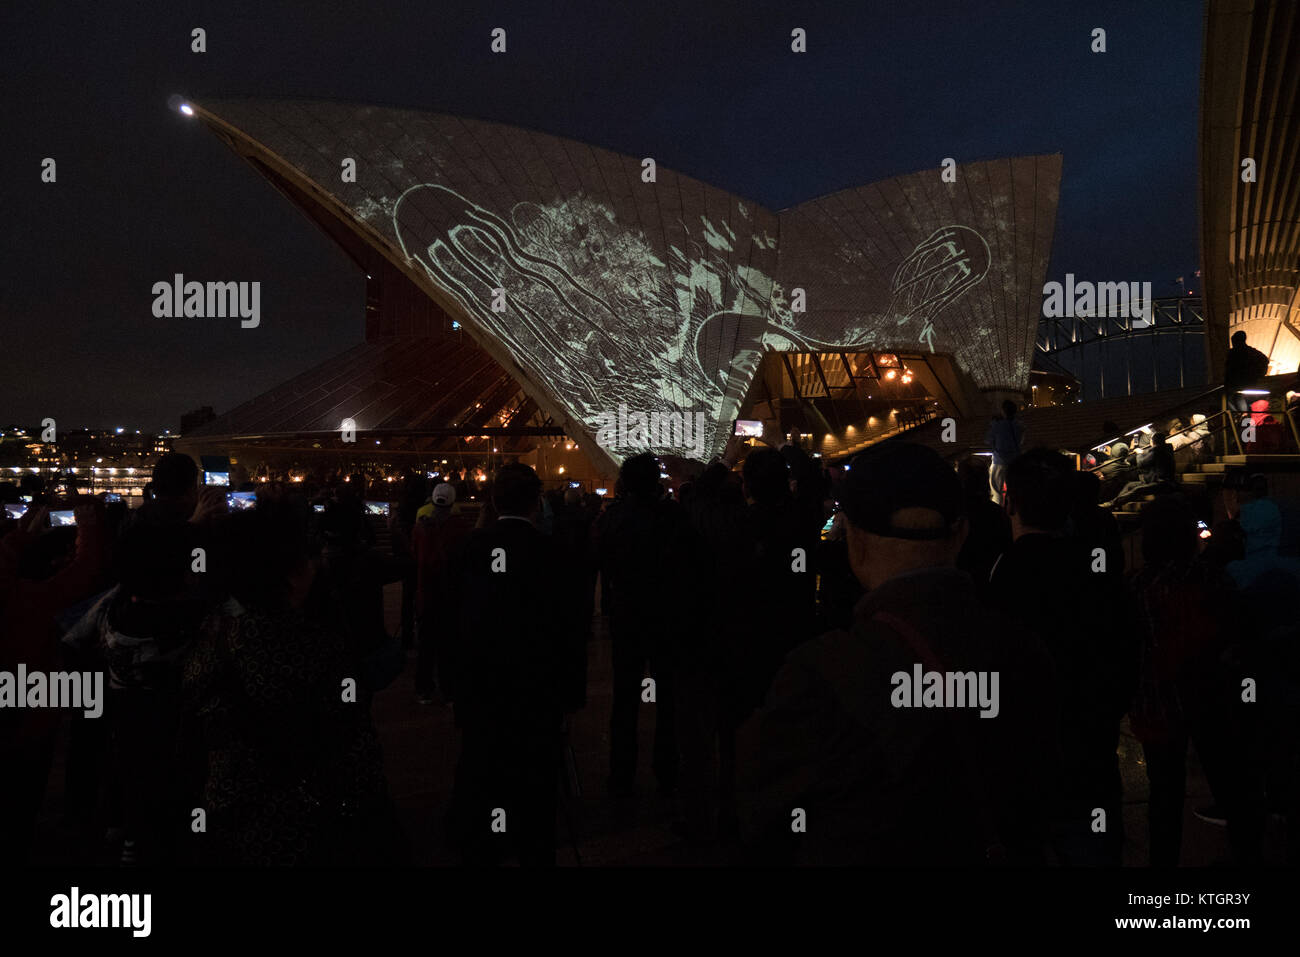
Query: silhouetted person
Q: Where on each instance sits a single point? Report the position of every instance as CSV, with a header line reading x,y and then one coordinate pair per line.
x,y
1260,521
1160,468
1006,437
505,668
175,485
294,771
642,543
356,572
436,540
1244,368
845,738
42,571
785,529
721,565
1264,733
139,633
1094,526
1059,588
402,525
1188,622
989,528
34,486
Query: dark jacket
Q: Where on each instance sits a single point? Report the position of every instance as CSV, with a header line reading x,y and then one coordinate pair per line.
x,y
434,541
886,785
644,548
990,535
759,596
1089,624
509,656
1244,368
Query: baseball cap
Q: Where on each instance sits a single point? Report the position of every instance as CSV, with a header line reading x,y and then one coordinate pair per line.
x,y
892,476
444,494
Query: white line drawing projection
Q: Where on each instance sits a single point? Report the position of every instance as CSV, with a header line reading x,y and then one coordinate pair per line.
x,y
590,308
667,295
577,283
939,270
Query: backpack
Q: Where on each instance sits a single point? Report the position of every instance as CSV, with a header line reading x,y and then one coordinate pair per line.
x,y
971,781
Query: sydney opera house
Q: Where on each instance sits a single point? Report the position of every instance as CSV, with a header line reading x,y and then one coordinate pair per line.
x,y
1250,177
522,289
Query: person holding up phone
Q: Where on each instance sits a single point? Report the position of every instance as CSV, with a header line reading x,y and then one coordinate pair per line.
x,y
42,572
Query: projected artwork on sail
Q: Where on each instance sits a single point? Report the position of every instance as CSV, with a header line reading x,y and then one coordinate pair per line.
x,y
599,287
588,305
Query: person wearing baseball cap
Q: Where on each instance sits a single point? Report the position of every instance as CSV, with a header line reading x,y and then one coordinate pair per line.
x,y
888,782
439,532
444,496
905,511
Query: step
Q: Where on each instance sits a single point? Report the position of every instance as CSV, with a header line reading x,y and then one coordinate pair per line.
x,y
1219,467
1256,458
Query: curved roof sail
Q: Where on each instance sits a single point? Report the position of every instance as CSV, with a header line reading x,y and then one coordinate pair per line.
x,y
608,293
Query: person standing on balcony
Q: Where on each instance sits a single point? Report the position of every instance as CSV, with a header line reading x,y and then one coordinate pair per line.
x,y
1006,436
1245,368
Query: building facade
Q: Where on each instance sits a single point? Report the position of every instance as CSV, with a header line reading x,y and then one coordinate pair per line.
x,y
600,284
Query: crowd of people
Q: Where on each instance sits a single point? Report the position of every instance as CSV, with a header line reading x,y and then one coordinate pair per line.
x,y
760,616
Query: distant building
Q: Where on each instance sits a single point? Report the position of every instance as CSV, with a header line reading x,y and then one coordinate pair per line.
x,y
95,460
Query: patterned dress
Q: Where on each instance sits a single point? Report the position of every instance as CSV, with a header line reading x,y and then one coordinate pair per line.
x,y
293,761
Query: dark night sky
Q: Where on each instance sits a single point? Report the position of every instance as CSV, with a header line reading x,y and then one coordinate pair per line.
x,y
708,88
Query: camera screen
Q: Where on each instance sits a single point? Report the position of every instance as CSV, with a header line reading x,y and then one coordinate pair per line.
x,y
241,501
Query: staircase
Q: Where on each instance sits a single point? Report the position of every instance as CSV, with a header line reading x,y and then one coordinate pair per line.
x,y
1222,454
1208,479
907,426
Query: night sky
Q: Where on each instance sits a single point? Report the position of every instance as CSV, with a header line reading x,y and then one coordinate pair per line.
x,y
708,88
